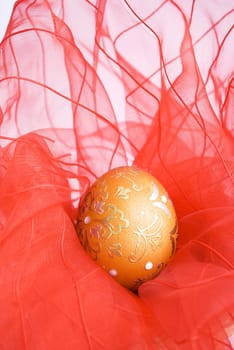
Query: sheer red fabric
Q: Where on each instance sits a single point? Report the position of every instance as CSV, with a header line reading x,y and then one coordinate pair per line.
x,y
86,86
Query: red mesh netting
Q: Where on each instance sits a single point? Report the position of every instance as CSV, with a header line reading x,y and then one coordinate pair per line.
x,y
86,86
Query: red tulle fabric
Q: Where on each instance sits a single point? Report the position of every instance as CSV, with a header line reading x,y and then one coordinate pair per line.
x,y
86,86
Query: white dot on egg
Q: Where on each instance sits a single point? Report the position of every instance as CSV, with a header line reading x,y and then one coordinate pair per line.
x,y
113,272
164,198
149,265
87,220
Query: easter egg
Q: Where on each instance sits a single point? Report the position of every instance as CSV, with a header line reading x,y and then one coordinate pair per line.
x,y
128,225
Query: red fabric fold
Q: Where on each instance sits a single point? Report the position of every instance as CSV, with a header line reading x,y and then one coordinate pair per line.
x,y
87,86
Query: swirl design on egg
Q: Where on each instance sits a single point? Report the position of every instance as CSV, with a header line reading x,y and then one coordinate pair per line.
x,y
90,239
128,221
149,235
112,221
108,221
131,177
173,238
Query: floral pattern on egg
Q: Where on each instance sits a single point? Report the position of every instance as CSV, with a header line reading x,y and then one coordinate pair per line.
x,y
128,225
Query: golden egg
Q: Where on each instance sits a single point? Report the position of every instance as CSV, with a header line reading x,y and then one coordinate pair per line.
x,y
128,225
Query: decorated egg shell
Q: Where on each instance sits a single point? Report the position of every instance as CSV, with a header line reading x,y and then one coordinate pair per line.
x,y
128,225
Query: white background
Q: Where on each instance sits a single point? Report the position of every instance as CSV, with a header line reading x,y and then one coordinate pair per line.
x,y
5,12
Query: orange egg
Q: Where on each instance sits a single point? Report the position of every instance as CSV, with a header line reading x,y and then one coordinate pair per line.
x,y
128,225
